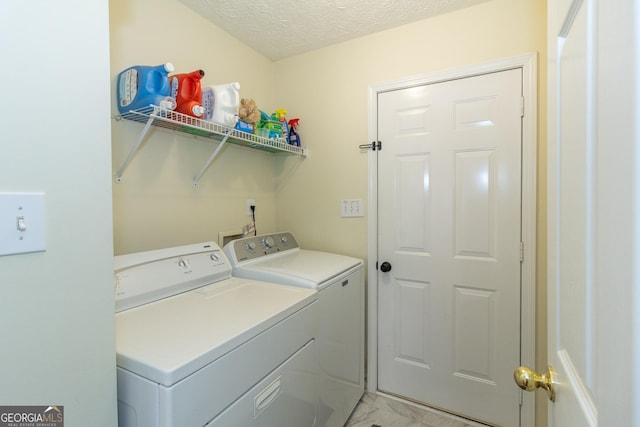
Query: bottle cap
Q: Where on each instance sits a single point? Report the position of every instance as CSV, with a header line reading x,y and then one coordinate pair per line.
x,y
168,67
168,103
197,110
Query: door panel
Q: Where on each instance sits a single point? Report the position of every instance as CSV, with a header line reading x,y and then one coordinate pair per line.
x,y
449,181
413,203
412,335
473,334
474,214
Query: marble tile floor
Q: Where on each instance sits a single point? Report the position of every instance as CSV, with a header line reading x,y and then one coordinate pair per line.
x,y
381,411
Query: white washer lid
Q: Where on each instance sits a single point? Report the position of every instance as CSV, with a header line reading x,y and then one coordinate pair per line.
x,y
167,340
300,267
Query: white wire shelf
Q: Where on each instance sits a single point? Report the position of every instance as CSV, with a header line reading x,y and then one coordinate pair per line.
x,y
161,117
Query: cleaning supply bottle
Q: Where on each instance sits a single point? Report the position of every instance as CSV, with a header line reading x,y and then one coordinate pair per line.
x,y
294,137
280,115
143,85
221,103
187,91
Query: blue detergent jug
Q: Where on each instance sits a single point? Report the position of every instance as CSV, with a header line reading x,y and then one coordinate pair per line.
x,y
143,85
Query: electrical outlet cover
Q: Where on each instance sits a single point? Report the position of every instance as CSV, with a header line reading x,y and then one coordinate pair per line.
x,y
250,202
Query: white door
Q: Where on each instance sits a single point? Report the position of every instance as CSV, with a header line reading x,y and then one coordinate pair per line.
x,y
449,212
593,217
570,244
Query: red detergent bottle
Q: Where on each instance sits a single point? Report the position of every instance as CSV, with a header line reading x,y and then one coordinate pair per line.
x,y
187,91
142,85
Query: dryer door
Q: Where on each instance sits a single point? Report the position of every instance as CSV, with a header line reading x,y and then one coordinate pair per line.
x,y
287,397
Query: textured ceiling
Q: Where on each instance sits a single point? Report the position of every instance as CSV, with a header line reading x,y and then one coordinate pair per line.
x,y
283,28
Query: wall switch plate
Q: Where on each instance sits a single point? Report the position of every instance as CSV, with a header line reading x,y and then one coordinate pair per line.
x,y
351,208
21,223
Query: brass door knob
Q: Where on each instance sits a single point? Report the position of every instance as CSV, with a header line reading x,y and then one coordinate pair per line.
x,y
529,380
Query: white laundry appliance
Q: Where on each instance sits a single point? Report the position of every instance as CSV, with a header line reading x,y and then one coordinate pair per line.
x,y
339,281
197,347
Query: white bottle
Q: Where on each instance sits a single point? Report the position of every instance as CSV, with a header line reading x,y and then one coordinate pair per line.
x,y
221,103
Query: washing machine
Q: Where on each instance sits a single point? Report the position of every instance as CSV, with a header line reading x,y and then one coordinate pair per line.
x,y
197,347
339,281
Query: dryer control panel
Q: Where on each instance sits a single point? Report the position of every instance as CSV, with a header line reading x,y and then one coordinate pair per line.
x,y
144,277
253,247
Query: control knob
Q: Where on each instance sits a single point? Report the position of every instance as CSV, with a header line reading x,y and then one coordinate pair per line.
x,y
268,242
214,256
251,246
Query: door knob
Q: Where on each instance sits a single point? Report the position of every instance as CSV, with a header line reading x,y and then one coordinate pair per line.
x,y
385,267
529,380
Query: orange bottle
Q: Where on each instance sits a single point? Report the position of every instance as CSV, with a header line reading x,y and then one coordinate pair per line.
x,y
187,91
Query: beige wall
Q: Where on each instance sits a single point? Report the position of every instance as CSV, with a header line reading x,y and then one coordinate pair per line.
x,y
328,89
157,206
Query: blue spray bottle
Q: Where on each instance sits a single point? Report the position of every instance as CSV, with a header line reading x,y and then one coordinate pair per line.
x,y
294,137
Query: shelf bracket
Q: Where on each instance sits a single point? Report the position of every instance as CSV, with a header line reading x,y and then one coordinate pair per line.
x,y
210,160
141,137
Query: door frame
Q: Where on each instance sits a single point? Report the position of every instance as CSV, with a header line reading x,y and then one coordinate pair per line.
x,y
528,64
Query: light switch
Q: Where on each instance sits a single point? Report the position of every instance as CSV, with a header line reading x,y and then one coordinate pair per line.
x,y
351,208
21,223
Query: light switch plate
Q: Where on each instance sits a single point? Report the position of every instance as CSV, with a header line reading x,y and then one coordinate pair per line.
x,y
351,208
21,223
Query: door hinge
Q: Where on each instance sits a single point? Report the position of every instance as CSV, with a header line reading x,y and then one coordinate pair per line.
x,y
521,251
522,106
375,145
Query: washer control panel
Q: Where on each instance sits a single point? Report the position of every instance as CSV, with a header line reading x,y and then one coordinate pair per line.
x,y
253,247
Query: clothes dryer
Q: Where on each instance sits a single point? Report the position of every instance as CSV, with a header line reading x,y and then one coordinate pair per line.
x,y
196,347
339,281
